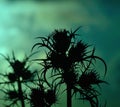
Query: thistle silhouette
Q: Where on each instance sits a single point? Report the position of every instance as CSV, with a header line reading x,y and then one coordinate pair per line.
x,y
68,62
20,74
71,63
43,96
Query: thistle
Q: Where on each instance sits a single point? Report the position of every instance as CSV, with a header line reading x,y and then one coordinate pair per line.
x,y
69,62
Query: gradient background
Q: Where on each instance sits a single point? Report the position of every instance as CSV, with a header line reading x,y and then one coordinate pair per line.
x,y
23,20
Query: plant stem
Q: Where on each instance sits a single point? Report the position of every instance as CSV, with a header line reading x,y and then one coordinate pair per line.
x,y
20,93
69,97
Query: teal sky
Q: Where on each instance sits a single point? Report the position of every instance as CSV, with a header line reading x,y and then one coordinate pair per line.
x,y
22,21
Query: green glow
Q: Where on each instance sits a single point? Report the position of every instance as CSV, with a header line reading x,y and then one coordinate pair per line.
x,y
21,22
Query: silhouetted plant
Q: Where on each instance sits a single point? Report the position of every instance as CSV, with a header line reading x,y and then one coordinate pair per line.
x,y
19,75
43,95
70,63
87,79
37,97
85,87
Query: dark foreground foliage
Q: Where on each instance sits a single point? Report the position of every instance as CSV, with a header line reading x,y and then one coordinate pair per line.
x,y
69,62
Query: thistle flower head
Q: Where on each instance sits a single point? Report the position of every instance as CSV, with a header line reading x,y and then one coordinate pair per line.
x,y
78,52
12,95
61,40
51,97
88,79
37,98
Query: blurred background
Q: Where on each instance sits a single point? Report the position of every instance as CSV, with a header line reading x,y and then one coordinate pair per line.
x,y
23,20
